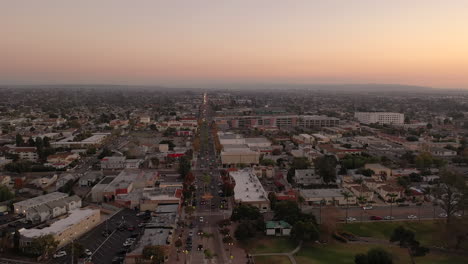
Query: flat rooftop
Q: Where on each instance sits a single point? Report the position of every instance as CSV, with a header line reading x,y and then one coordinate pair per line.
x,y
248,187
42,199
74,217
321,193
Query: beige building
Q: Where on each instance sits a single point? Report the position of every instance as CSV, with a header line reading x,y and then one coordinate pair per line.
x,y
329,196
240,157
379,169
66,229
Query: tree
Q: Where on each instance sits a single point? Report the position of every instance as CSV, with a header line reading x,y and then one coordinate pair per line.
x,y
19,140
326,167
406,239
31,142
304,231
245,212
391,200
155,254
451,193
347,195
244,231
184,166
169,143
105,152
374,256
78,251
5,194
44,245
155,162
267,162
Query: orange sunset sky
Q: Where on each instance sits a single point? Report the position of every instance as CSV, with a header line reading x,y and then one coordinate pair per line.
x,y
196,42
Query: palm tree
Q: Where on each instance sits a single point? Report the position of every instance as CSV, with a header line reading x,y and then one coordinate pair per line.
x,y
391,200
347,195
362,200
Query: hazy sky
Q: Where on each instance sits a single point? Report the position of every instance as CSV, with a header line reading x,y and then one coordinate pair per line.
x,y
179,42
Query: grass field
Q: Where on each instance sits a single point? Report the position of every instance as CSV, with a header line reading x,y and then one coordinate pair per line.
x,y
270,245
343,253
272,260
424,230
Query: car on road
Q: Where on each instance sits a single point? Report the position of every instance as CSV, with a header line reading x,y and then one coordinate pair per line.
x,y
130,228
351,219
201,219
117,260
367,207
200,247
412,217
389,217
106,233
374,217
443,215
88,252
60,254
190,233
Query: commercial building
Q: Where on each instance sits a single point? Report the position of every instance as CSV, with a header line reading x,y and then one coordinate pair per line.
x,y
278,121
249,190
380,117
66,229
328,196
94,141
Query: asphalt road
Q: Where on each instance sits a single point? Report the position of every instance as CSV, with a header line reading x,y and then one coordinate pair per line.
x,y
105,248
399,213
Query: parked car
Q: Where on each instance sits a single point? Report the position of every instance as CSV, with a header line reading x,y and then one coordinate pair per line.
x,y
389,217
60,254
200,247
412,217
351,219
88,252
443,215
367,207
201,219
374,217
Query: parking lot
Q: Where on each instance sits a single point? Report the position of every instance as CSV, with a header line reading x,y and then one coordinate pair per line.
x,y
105,249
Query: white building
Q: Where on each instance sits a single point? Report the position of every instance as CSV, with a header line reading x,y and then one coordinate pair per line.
x,y
66,229
380,117
249,190
21,207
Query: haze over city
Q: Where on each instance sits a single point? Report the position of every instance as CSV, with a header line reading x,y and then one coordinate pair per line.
x,y
234,132
193,43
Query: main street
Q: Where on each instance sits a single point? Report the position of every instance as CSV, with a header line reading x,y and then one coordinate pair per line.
x,y
211,206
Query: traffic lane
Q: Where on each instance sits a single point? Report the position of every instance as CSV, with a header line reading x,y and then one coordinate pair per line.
x,y
400,213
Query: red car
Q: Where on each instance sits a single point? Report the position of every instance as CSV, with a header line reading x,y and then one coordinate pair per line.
x,y
374,217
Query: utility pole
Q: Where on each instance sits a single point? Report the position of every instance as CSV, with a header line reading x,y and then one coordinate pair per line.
x,y
72,251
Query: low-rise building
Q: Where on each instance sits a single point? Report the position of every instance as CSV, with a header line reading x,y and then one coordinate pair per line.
x,y
327,196
307,177
64,230
249,190
277,228
23,206
379,169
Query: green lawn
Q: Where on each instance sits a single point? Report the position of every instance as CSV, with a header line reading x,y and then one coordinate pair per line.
x,y
272,260
432,258
424,230
343,253
269,245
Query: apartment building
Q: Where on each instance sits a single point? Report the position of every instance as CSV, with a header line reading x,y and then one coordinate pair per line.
x,y
64,230
380,117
